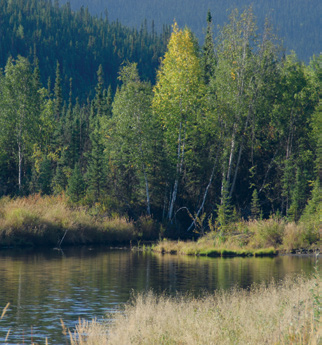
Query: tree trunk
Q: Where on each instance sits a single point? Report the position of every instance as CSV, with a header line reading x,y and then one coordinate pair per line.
x,y
205,195
19,165
181,150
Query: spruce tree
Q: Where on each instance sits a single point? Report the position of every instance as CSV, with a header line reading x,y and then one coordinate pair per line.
x,y
58,93
314,206
76,185
45,176
224,211
209,56
60,181
255,207
99,101
96,171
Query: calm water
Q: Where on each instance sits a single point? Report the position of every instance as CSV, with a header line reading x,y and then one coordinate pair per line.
x,y
44,287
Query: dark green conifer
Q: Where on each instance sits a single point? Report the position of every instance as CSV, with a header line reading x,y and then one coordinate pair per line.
x,y
314,206
209,56
255,207
59,181
45,176
96,172
58,93
76,185
224,211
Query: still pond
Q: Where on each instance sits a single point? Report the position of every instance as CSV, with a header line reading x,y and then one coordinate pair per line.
x,y
45,287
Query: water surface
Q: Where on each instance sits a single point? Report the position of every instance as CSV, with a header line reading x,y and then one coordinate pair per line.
x,y
44,287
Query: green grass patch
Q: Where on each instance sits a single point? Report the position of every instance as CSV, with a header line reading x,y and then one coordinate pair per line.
x,y
265,252
210,252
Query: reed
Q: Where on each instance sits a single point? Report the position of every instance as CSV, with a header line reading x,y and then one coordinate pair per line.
x,y
280,313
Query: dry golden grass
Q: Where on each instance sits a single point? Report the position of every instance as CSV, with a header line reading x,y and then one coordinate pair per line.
x,y
264,315
44,219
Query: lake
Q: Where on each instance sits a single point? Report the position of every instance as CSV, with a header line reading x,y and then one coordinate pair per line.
x,y
47,286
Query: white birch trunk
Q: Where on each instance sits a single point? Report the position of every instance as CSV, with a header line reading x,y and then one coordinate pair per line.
x,y
181,151
204,196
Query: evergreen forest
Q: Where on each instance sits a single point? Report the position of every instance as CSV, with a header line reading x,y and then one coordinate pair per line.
x,y
297,22
134,123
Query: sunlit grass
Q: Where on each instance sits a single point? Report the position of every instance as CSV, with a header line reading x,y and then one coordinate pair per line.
x,y
281,313
39,219
253,238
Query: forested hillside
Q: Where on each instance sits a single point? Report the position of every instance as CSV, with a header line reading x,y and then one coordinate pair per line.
x,y
78,41
297,22
228,130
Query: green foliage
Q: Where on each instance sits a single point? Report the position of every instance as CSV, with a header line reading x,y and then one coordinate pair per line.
x,y
224,210
130,134
96,172
221,126
209,60
76,185
147,228
19,117
45,177
177,102
297,21
75,41
314,206
270,233
255,207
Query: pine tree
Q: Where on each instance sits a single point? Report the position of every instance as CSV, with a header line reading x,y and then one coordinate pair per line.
x,y
313,208
224,211
255,207
58,93
76,185
209,60
99,100
45,177
96,171
60,180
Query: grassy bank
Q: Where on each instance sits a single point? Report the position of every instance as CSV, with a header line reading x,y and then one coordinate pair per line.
x,y
47,220
276,314
254,238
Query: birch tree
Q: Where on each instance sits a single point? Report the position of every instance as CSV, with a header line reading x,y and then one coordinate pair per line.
x,y
177,98
19,113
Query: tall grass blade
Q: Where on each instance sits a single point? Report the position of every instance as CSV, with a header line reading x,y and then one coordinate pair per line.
x,y
5,310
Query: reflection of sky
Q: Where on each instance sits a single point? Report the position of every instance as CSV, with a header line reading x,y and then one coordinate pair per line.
x,y
44,287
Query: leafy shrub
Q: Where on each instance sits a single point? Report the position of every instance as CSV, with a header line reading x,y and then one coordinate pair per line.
x,y
269,233
147,228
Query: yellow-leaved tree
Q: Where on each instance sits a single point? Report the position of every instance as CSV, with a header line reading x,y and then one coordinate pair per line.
x,y
177,102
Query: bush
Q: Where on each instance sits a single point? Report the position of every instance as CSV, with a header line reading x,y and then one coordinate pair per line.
x,y
300,236
147,228
269,233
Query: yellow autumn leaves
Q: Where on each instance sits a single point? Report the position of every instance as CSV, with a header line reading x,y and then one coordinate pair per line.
x,y
179,79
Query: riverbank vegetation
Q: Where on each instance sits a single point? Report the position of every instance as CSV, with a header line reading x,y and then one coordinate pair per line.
x,y
280,313
225,132
251,238
52,221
